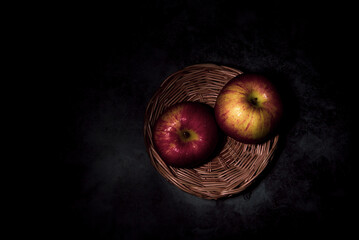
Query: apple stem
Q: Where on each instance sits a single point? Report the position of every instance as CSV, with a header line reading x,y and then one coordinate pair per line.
x,y
185,134
253,101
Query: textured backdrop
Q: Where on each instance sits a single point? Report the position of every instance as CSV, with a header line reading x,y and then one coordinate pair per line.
x,y
114,61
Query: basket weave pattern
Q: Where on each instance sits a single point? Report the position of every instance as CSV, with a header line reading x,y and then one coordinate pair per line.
x,y
237,164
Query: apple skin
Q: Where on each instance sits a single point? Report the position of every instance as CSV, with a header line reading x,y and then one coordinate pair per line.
x,y
186,134
248,108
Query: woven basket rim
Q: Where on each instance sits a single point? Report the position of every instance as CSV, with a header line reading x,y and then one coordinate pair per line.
x,y
236,166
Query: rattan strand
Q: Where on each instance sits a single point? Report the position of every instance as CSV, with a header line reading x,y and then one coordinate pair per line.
x,y
237,164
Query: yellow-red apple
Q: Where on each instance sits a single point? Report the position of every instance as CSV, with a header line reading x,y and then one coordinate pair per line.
x,y
248,108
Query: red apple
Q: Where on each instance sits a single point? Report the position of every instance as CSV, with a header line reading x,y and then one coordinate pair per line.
x,y
186,134
248,108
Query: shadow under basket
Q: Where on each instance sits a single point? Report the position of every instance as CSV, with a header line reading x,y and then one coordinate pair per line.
x,y
235,166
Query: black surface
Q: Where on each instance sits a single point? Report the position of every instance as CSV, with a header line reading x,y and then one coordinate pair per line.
x,y
111,64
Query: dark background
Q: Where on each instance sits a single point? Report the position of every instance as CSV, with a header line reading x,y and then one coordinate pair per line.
x,y
110,63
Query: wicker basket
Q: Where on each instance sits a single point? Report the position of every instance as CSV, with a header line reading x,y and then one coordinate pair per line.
x,y
235,166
